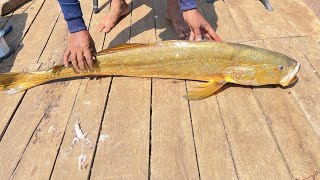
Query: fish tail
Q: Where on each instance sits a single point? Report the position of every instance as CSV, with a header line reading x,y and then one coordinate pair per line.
x,y
16,82
7,79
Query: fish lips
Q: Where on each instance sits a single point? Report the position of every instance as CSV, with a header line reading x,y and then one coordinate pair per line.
x,y
291,77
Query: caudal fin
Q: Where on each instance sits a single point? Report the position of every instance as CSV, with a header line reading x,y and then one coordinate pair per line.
x,y
15,82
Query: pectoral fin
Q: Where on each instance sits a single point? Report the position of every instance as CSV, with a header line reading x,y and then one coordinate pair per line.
x,y
206,90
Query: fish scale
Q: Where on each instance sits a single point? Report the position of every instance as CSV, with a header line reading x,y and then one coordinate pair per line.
x,y
215,63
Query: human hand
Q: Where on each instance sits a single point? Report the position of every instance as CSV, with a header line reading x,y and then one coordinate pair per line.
x,y
199,26
79,51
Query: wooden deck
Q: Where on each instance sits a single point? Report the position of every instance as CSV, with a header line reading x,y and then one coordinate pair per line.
x,y
151,131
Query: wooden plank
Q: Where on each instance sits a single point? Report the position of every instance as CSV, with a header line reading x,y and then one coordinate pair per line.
x,y
310,47
10,103
297,156
38,104
213,151
314,5
23,8
173,153
126,153
246,153
254,150
294,134
43,26
307,90
21,20
39,155
88,110
221,20
7,6
299,15
57,43
54,132
46,139
255,22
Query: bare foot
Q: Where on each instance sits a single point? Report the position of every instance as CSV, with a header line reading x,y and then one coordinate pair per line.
x,y
119,8
174,14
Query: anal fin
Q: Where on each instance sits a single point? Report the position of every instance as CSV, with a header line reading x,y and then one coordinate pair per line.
x,y
205,90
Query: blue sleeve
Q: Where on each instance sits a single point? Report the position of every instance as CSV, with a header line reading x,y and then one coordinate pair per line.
x,y
73,15
187,4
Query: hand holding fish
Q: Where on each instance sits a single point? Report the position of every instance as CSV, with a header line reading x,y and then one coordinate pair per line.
x,y
199,26
79,50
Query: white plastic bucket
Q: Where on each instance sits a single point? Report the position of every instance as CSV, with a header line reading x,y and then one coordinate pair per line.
x,y
4,48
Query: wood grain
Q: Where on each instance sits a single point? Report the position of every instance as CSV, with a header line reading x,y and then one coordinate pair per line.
x,y
125,154
299,15
255,22
294,134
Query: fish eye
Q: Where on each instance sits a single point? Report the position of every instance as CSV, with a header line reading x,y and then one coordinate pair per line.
x,y
280,67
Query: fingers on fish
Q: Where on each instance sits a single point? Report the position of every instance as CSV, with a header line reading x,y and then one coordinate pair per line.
x,y
205,90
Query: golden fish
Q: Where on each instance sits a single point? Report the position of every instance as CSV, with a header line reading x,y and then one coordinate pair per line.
x,y
215,63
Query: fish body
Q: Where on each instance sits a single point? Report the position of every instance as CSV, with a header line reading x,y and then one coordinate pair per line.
x,y
215,63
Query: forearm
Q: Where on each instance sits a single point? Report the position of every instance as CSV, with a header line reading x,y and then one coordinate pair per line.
x,y
187,4
72,14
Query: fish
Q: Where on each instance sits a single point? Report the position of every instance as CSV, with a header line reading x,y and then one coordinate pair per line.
x,y
213,63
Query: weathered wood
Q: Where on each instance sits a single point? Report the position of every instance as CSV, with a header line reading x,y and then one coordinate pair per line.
x,y
38,105
310,47
57,43
52,127
239,150
43,26
314,5
255,22
295,136
213,152
7,6
173,153
39,154
299,15
125,153
307,90
221,20
23,8
252,144
88,110
9,104
21,21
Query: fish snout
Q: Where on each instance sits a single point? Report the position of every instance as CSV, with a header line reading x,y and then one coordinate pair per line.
x,y
291,77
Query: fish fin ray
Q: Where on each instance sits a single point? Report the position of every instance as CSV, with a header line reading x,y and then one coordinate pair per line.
x,y
15,90
122,47
17,82
6,79
56,68
206,90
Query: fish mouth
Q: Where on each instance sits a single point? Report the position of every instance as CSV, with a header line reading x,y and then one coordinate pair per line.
x,y
291,77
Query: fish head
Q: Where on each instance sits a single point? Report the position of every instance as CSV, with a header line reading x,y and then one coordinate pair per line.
x,y
291,75
282,70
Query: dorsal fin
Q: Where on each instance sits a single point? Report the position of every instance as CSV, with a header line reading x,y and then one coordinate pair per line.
x,y
122,47
54,68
